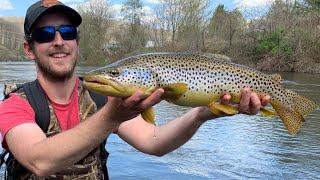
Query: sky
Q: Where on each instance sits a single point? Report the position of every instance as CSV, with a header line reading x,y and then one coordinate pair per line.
x,y
19,7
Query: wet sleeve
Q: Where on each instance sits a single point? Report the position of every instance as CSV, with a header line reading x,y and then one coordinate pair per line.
x,y
13,112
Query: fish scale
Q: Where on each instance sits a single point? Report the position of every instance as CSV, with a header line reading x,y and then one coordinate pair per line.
x,y
197,80
198,64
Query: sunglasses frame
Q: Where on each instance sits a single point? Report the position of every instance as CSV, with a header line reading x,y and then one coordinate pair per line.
x,y
56,28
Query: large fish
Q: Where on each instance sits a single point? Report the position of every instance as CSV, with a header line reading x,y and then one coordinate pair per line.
x,y
197,80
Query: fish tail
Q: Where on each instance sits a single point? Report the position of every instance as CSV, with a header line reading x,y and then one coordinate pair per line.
x,y
292,108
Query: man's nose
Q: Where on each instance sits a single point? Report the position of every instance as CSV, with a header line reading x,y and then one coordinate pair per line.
x,y
58,40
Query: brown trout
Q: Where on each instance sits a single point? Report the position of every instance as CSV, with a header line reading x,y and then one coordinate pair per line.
x,y
197,80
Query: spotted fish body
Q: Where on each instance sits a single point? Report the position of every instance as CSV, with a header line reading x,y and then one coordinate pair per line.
x,y
197,80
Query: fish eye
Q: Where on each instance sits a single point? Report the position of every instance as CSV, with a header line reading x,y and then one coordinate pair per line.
x,y
114,72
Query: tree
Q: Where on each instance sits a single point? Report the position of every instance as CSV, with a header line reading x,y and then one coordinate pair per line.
x,y
223,27
313,4
183,23
191,26
96,20
170,12
135,37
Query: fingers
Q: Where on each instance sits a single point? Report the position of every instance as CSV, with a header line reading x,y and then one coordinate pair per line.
x,y
245,100
152,100
265,100
250,102
138,102
255,103
133,100
226,98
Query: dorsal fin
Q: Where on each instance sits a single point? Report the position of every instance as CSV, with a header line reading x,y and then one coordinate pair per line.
x,y
276,77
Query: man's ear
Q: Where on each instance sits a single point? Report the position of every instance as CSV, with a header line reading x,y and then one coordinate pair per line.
x,y
78,40
28,50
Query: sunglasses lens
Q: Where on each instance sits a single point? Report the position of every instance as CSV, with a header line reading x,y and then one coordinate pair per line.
x,y
43,34
47,33
68,32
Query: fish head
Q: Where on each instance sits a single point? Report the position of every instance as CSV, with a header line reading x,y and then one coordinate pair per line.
x,y
121,80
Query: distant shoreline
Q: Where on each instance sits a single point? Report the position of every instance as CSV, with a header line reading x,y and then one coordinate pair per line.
x,y
25,60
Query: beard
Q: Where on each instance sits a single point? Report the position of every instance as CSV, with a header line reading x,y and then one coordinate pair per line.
x,y
49,72
53,75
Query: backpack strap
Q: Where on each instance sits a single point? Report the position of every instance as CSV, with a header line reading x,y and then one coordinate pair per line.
x,y
39,103
99,99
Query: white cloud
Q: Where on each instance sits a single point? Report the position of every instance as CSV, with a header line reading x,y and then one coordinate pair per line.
x,y
153,1
5,5
252,3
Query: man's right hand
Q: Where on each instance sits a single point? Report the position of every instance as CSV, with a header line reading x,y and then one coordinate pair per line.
x,y
120,110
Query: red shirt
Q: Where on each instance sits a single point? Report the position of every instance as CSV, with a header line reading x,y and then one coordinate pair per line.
x,y
16,110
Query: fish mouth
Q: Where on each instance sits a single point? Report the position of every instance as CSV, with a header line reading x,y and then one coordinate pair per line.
x,y
104,85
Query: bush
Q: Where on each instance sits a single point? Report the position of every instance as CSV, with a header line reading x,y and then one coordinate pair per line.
x,y
274,43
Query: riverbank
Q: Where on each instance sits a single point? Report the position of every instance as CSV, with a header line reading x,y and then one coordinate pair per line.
x,y
269,64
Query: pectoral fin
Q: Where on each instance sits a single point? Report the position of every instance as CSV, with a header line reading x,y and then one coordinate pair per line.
x,y
267,112
148,115
215,107
175,90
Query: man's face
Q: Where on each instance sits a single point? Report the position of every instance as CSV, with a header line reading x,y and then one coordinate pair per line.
x,y
56,59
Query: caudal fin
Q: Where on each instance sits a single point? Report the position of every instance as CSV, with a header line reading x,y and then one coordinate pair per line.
x,y
292,108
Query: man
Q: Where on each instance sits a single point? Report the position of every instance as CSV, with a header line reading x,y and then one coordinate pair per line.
x,y
52,42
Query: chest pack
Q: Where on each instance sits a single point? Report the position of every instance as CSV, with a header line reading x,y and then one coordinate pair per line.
x,y
40,105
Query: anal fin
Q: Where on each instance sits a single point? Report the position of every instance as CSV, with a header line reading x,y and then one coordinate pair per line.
x,y
215,107
267,112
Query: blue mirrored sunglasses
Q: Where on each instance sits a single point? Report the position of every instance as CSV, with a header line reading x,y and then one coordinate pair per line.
x,y
46,33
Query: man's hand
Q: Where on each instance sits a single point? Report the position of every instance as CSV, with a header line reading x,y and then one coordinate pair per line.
x,y
250,103
120,110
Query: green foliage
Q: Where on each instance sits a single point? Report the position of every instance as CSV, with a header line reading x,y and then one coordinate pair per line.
x,y
275,44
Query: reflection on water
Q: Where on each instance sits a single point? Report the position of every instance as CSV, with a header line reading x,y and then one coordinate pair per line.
x,y
238,147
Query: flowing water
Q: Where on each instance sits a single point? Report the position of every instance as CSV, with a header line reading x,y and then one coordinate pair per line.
x,y
238,147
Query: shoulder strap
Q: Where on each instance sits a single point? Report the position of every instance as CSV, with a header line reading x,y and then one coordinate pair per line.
x,y
39,103
99,99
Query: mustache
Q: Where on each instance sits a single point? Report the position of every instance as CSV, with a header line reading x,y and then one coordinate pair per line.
x,y
59,49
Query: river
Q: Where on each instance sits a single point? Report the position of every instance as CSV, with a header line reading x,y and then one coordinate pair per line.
x,y
237,147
